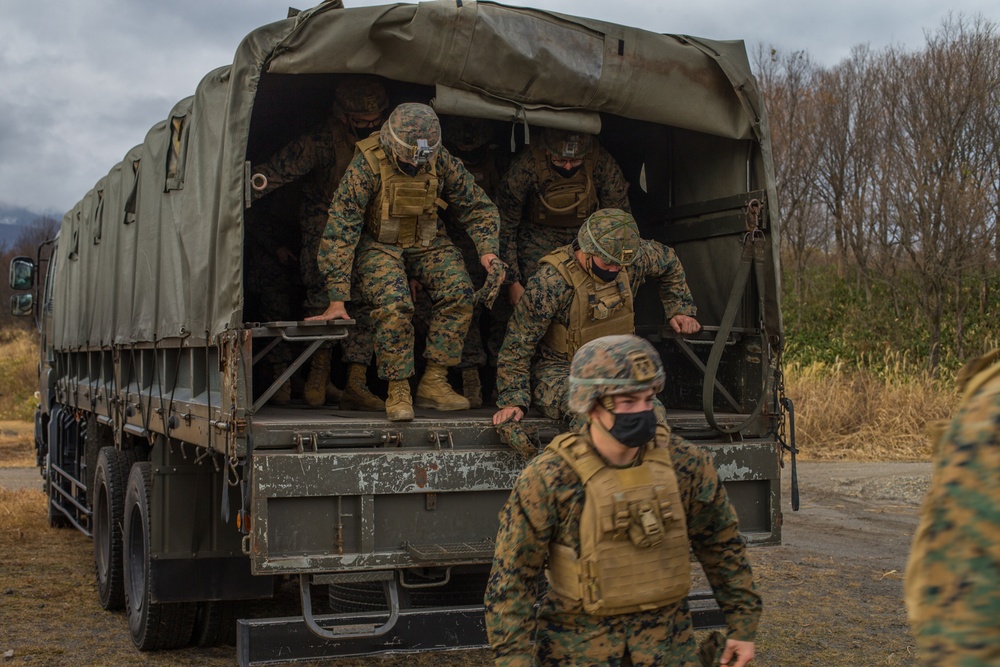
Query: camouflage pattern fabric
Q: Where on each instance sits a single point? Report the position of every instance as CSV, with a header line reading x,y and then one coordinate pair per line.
x,y
320,157
544,508
953,576
523,243
547,298
439,268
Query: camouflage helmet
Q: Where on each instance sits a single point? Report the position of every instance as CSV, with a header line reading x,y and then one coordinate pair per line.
x,y
413,133
611,234
613,365
567,143
465,133
360,94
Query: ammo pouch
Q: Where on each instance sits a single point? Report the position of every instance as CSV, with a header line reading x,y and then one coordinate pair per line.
x,y
598,309
634,551
404,210
564,202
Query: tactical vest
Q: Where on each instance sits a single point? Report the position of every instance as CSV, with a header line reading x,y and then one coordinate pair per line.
x,y
563,202
634,550
404,211
598,308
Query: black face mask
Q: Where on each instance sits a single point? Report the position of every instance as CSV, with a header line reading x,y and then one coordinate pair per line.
x,y
607,275
634,429
567,172
407,168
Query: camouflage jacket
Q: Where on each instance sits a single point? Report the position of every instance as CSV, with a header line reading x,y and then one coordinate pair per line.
x,y
953,575
322,154
521,182
547,298
467,203
545,507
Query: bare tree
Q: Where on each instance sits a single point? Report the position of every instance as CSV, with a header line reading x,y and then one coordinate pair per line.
x,y
941,160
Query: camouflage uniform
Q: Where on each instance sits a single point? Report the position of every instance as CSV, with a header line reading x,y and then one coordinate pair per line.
x,y
320,157
545,509
953,576
523,242
383,268
547,299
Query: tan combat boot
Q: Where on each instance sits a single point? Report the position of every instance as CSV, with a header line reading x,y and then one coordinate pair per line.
x,y
356,395
435,392
399,405
471,387
333,393
314,393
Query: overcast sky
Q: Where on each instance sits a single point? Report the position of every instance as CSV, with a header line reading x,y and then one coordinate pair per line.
x,y
83,81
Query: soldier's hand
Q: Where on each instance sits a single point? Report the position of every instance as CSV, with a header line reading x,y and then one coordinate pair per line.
x,y
516,291
685,324
737,653
503,414
486,259
335,311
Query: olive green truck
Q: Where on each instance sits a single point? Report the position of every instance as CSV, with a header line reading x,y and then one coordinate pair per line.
x,y
155,432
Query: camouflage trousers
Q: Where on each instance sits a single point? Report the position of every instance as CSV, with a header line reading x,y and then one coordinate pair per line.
x,y
473,350
383,272
359,344
661,637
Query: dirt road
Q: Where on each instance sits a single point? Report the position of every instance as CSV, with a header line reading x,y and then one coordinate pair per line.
x,y
832,591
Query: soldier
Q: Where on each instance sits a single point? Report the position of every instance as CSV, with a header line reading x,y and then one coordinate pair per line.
x,y
581,292
546,195
953,576
321,157
610,513
386,209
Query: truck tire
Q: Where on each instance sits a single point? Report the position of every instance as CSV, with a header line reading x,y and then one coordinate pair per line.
x,y
214,623
153,625
108,493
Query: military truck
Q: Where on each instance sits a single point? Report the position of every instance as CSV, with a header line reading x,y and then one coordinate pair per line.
x,y
155,431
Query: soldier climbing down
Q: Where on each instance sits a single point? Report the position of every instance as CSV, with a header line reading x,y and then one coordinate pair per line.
x,y
386,211
581,292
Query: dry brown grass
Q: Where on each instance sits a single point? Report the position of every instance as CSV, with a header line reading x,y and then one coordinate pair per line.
x,y
18,374
844,413
16,444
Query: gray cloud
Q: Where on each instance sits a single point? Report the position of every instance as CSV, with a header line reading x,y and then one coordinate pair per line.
x,y
82,84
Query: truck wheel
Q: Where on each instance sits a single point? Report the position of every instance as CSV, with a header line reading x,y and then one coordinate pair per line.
x,y
153,625
108,493
214,623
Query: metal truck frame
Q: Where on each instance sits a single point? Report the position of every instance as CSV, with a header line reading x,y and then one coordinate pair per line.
x,y
156,437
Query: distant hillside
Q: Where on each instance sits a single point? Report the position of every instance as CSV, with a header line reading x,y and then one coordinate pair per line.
x,y
14,220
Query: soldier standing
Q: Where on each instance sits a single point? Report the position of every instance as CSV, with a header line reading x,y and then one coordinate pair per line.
x,y
580,292
386,210
610,513
953,576
321,157
546,195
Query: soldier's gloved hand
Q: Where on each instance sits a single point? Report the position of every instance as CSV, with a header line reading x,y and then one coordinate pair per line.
x,y
414,287
496,271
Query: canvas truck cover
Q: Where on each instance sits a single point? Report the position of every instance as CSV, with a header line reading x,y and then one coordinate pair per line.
x,y
163,231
